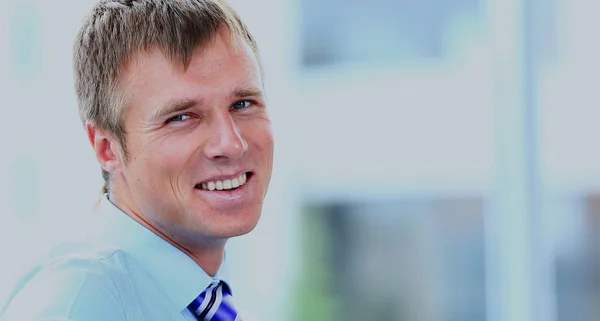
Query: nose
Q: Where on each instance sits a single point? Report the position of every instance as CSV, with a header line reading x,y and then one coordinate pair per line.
x,y
225,141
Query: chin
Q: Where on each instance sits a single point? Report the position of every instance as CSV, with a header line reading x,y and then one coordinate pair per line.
x,y
244,228
235,227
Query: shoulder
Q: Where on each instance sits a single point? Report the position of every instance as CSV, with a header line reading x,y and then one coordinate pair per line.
x,y
74,282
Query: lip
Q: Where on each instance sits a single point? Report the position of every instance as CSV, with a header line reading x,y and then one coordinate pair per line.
x,y
224,177
229,199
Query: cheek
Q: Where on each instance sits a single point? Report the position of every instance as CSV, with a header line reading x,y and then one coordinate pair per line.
x,y
161,160
260,136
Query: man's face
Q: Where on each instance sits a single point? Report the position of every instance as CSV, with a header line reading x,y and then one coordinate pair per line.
x,y
199,142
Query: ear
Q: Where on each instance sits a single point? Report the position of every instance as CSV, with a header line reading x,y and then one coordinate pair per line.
x,y
106,148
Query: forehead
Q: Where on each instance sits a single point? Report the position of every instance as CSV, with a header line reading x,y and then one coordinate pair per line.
x,y
221,64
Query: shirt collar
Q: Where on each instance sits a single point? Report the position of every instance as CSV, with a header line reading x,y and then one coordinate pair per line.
x,y
180,277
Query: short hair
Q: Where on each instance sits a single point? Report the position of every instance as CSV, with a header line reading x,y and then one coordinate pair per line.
x,y
115,30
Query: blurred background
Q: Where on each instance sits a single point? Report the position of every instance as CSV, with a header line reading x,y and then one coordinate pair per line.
x,y
434,159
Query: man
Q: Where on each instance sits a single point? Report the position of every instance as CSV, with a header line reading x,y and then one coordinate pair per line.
x,y
171,95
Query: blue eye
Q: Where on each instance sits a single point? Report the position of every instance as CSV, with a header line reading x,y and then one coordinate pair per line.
x,y
179,118
241,104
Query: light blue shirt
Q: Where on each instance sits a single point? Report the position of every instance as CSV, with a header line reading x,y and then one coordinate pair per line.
x,y
123,271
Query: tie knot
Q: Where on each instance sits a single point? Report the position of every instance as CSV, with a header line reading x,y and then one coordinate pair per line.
x,y
214,304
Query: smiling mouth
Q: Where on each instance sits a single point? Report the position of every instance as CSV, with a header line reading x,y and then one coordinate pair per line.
x,y
227,184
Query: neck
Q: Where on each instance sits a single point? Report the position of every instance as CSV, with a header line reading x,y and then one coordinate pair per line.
x,y
208,254
209,258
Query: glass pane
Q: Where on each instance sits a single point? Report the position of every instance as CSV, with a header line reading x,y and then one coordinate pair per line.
x,y
383,31
402,259
569,113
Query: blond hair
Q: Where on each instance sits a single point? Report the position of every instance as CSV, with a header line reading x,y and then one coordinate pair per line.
x,y
115,30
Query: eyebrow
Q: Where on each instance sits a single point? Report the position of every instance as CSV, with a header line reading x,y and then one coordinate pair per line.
x,y
174,106
247,92
177,105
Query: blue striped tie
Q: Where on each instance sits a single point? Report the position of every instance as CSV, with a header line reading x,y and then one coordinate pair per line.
x,y
214,304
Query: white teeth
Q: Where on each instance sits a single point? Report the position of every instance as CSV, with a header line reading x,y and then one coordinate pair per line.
x,y
225,184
